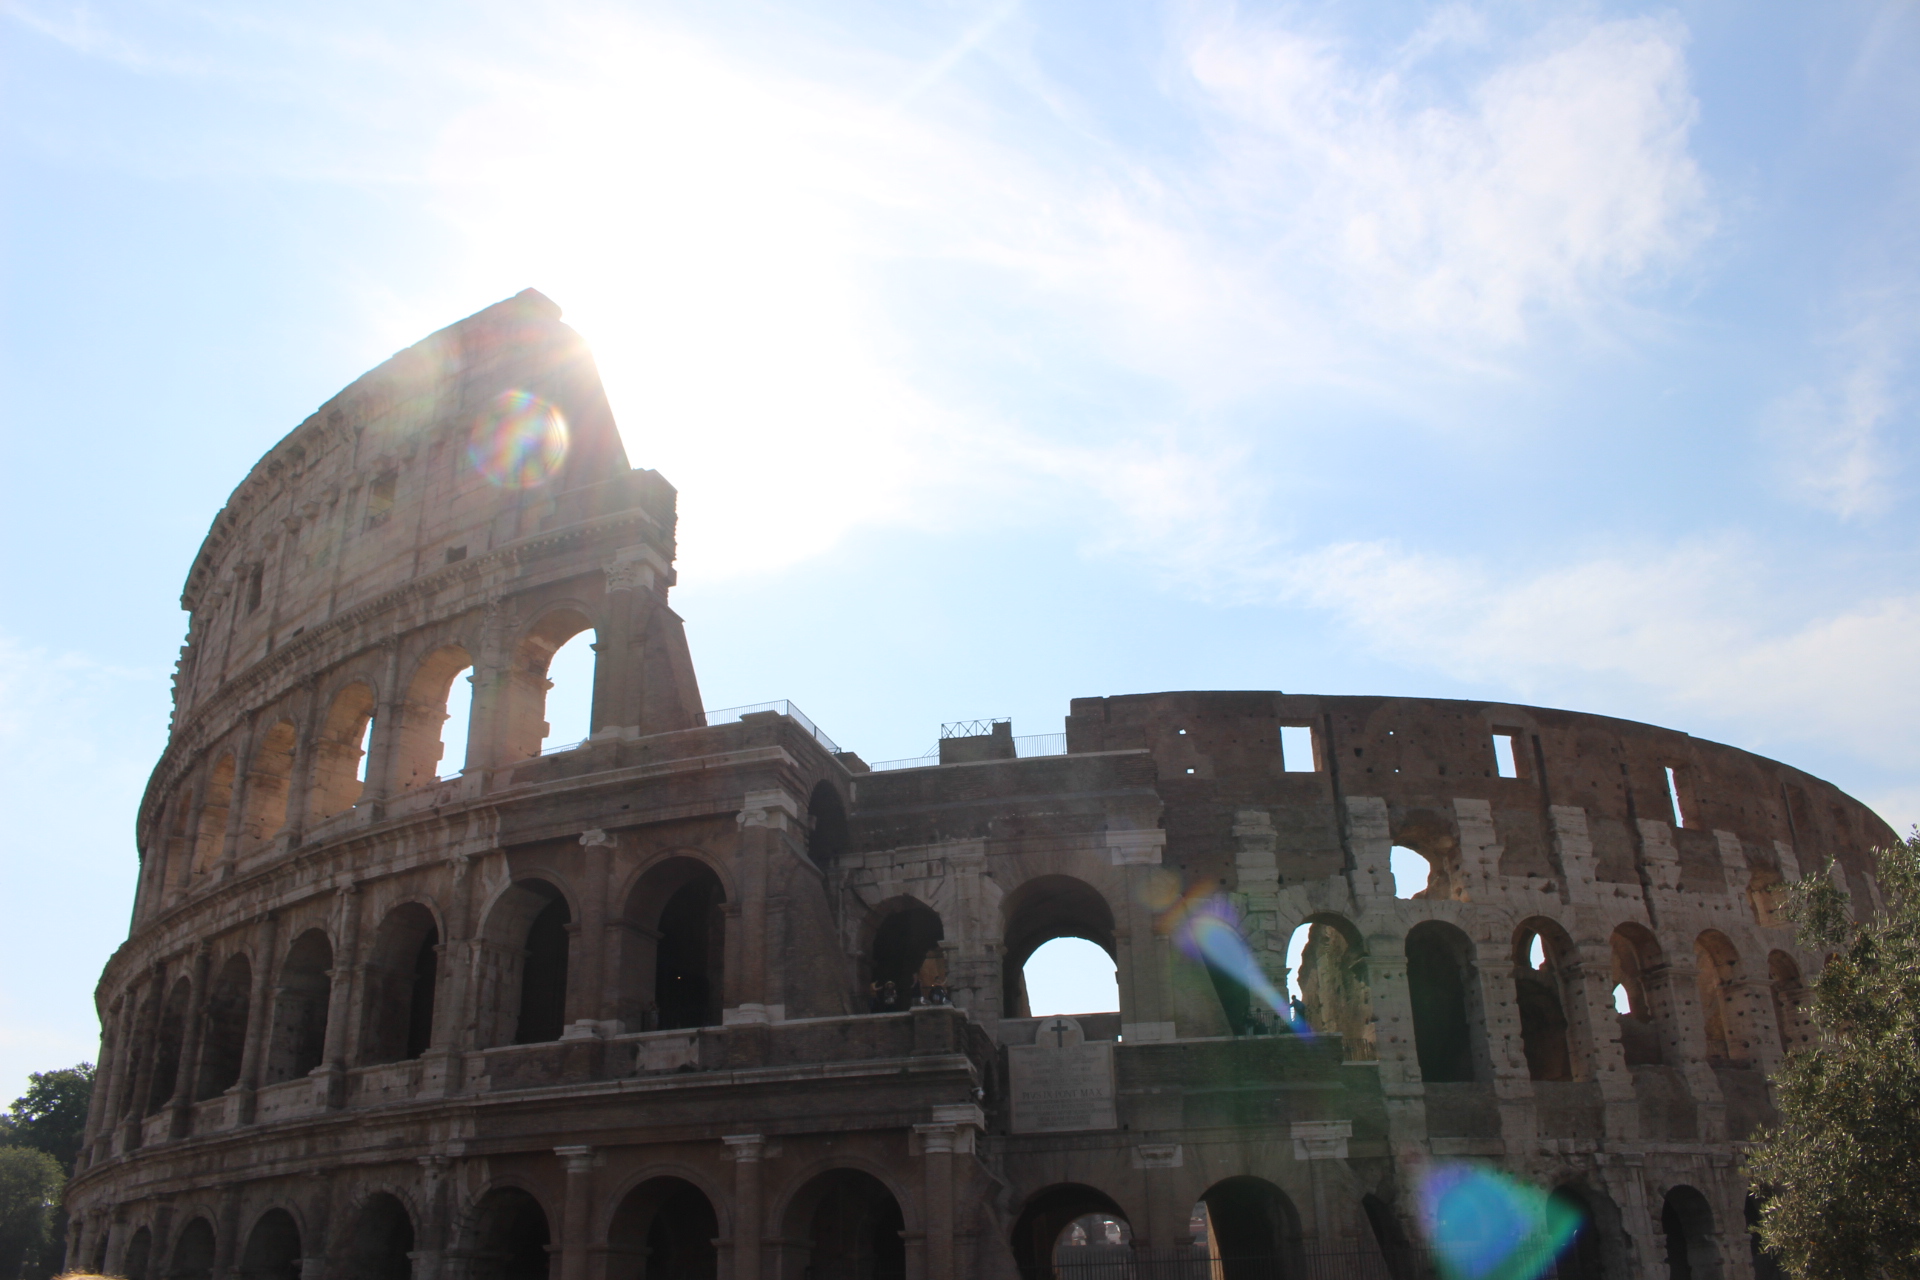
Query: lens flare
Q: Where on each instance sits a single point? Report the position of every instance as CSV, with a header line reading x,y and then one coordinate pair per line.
x,y
1206,929
1482,1225
520,442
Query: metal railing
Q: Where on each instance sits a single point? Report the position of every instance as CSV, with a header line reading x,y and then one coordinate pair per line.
x,y
727,715
1036,744
972,728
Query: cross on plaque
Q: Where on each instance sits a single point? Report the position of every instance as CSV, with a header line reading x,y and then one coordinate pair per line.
x,y
1059,1029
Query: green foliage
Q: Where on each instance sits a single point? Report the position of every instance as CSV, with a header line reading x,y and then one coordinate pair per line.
x,y
30,1184
52,1115
1842,1169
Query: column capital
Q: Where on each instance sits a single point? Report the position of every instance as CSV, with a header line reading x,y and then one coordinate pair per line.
x,y
745,1146
768,809
579,1159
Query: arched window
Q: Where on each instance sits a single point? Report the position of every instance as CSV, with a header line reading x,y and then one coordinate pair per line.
x,y
1046,1225
826,826
524,727
210,836
1440,985
905,963
569,701
193,1252
1539,950
267,783
300,1008
1070,976
139,1255
380,1241
224,1041
1687,1222
1579,1260
419,754
169,1038
1252,1229
1036,913
401,976
1789,1002
1412,872
510,1237
1635,954
850,1224
674,952
669,1226
1716,974
543,982
340,751
1327,981
273,1248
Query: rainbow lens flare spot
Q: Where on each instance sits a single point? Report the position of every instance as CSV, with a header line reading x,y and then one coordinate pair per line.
x,y
1206,930
520,442
1482,1225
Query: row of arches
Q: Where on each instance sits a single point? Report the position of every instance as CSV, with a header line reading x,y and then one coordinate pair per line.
x,y
252,796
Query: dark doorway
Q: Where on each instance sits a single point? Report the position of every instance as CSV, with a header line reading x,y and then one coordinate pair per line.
x,y
300,1008
854,1231
273,1248
1050,1217
688,964
139,1255
510,1237
193,1253
1437,974
543,976
903,945
224,1042
664,1229
380,1240
1580,1259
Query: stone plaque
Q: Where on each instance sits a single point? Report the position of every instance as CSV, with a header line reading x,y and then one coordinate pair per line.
x,y
1060,1082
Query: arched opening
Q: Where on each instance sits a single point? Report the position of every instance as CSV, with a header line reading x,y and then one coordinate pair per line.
x,y
522,995
524,727
1327,983
1539,949
1046,1226
210,837
905,963
510,1237
1687,1222
224,1042
401,974
300,1008
1635,953
273,1248
1070,976
267,783
139,1255
1766,1264
675,947
380,1241
826,826
1580,1258
193,1252
850,1227
1396,1252
1440,984
340,751
1036,913
569,704
1412,872
1789,1002
420,755
664,1229
1252,1229
1716,969
168,1040
543,980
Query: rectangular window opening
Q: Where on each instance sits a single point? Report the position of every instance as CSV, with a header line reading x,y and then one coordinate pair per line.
x,y
1673,796
1504,762
1296,749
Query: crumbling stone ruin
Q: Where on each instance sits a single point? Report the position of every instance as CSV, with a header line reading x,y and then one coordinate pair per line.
x,y
607,1010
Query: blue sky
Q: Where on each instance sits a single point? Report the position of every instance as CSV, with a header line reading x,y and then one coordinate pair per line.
x,y
1004,353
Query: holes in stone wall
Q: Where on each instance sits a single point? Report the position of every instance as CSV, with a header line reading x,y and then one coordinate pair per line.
x,y
1299,751
1505,763
1412,873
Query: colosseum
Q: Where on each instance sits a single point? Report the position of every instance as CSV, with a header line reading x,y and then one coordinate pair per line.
x,y
704,995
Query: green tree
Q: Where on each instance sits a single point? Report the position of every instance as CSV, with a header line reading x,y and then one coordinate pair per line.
x,y
52,1115
1841,1171
30,1185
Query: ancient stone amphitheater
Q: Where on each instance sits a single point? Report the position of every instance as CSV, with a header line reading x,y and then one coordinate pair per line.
x,y
608,1010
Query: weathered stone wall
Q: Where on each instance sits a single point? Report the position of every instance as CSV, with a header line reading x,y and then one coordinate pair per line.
x,y
610,1008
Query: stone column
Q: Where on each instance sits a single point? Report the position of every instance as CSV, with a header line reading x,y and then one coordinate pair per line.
x,y
316,1193
330,1077
1315,1141
430,1244
1573,850
1673,991
1505,1045
949,1134
1370,845
577,1212
227,1244
386,727
1145,960
253,1057
619,672
587,1005
238,801
746,1150
141,1052
765,818
442,1065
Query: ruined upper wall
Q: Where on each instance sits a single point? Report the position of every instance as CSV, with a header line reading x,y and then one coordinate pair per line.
x,y
378,487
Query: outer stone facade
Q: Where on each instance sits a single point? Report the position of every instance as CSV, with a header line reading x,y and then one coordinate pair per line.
x,y
606,1012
